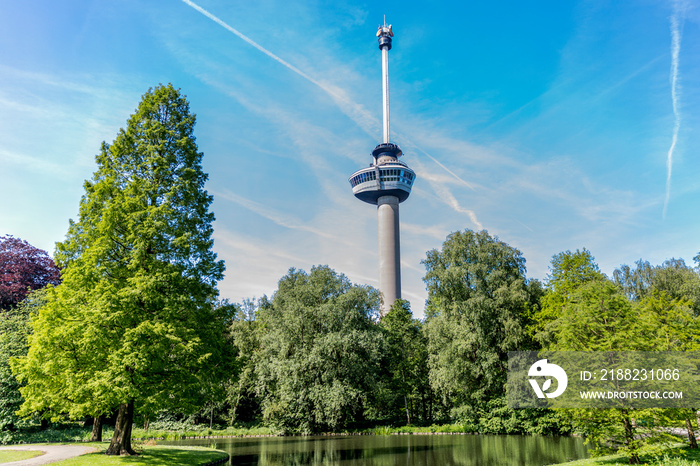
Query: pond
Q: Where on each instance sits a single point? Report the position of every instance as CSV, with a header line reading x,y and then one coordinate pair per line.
x,y
440,450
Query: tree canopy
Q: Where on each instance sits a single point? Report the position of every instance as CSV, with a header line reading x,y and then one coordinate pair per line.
x,y
14,331
320,353
642,309
673,277
477,308
133,325
23,268
24,271
568,272
406,365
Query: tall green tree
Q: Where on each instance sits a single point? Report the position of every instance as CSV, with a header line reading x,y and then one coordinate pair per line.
x,y
320,353
597,316
408,393
477,309
244,332
13,336
673,277
133,325
668,296
568,271
589,312
24,271
14,332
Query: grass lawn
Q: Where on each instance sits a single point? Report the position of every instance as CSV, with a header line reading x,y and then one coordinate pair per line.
x,y
149,454
674,457
7,456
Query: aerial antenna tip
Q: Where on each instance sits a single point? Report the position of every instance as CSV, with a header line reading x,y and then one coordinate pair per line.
x,y
385,30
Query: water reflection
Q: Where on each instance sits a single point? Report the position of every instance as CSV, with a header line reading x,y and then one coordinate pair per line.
x,y
441,450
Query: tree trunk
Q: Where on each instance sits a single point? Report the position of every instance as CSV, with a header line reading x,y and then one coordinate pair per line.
x,y
430,407
408,413
691,434
405,401
238,400
121,440
96,429
629,439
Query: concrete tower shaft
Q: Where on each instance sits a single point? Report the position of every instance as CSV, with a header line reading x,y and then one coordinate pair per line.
x,y
389,250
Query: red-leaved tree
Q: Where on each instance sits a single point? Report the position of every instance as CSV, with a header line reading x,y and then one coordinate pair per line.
x,y
23,268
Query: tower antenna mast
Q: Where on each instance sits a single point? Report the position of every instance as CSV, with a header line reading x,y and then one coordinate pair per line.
x,y
385,35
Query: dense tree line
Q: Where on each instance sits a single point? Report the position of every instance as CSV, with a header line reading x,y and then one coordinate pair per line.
x,y
133,327
318,356
647,308
451,366
24,271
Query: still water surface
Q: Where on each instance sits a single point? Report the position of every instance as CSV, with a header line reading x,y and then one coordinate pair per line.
x,y
439,450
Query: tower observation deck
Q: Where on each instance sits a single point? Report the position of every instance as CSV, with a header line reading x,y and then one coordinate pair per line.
x,y
386,183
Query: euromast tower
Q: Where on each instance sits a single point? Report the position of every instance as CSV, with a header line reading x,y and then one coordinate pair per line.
x,y
386,183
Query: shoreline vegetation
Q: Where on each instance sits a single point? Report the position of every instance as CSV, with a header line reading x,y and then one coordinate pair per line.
x,y
145,442
75,433
78,432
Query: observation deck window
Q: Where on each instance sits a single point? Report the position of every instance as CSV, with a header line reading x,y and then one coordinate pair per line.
x,y
363,178
385,175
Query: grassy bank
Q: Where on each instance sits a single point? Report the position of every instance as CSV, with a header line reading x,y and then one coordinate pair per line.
x,y
7,456
679,456
147,455
150,455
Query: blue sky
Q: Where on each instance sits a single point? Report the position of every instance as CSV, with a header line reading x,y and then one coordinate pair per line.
x,y
553,125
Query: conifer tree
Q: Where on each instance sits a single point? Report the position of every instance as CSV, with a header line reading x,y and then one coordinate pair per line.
x,y
133,326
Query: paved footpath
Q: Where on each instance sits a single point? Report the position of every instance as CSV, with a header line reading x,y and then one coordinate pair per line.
x,y
52,453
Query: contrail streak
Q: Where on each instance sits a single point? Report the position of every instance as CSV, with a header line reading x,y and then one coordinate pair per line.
x,y
351,109
354,111
251,42
675,51
465,183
